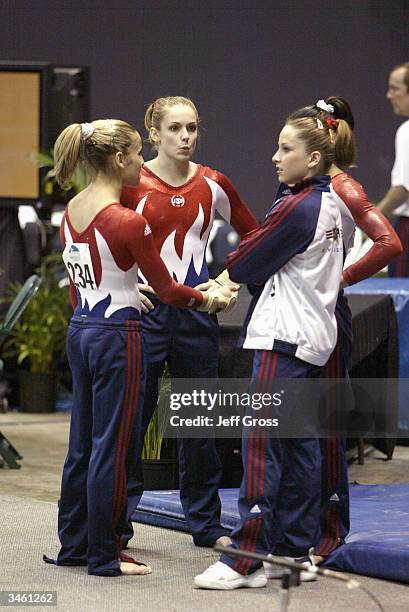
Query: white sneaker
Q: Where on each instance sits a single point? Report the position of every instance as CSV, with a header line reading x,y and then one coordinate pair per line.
x,y
310,575
276,571
273,572
223,578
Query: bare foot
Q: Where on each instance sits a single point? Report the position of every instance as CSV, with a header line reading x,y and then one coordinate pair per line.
x,y
224,541
134,569
318,559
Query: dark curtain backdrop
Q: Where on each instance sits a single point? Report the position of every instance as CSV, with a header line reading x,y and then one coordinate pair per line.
x,y
245,64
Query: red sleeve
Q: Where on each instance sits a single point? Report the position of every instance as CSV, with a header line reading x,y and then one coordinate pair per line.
x,y
137,237
241,218
73,291
371,221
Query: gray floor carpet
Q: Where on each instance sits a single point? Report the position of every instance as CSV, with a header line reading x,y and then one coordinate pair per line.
x,y
28,529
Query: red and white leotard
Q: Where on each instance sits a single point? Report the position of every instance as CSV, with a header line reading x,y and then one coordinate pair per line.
x,y
181,217
103,263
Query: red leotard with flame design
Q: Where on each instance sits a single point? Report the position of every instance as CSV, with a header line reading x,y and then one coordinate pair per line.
x,y
181,217
120,244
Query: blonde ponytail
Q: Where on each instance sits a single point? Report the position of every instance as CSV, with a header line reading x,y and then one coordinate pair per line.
x,y
148,116
93,144
67,154
345,147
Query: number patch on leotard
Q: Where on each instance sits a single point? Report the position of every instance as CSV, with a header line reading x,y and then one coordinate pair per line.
x,y
77,259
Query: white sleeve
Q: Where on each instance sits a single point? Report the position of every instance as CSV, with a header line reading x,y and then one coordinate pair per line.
x,y
400,170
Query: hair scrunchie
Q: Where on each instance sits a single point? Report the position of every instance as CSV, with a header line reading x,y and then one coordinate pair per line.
x,y
327,108
331,123
87,129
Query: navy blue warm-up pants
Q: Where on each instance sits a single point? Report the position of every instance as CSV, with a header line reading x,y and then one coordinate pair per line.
x,y
335,520
277,471
188,341
108,380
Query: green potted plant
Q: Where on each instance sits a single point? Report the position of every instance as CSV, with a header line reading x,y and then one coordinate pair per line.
x,y
38,338
78,182
160,471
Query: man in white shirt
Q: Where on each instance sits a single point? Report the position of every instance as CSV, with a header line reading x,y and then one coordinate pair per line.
x,y
396,200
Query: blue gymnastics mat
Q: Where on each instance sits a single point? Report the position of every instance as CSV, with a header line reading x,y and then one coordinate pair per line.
x,y
378,544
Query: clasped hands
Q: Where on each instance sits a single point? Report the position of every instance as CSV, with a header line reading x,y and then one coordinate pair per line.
x,y
218,295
